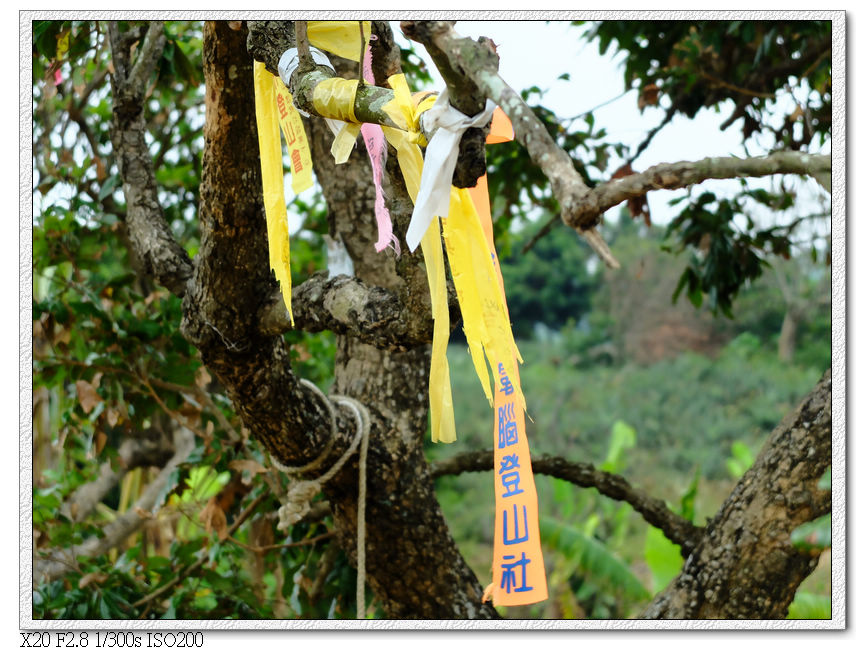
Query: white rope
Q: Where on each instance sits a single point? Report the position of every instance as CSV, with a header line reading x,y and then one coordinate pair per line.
x,y
301,492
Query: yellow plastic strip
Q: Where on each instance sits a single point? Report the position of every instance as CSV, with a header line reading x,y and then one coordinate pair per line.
x,y
334,98
518,562
343,143
295,138
480,296
272,180
341,37
411,163
443,427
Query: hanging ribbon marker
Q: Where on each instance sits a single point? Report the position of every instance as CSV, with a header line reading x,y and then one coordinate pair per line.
x,y
272,180
295,138
518,562
376,149
439,163
402,110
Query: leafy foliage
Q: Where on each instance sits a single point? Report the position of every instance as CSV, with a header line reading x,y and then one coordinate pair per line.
x,y
550,284
110,363
724,258
754,64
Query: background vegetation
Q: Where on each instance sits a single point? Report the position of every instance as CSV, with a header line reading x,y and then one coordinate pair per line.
x,y
677,396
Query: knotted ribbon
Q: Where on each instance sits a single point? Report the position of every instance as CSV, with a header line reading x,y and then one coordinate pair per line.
x,y
440,161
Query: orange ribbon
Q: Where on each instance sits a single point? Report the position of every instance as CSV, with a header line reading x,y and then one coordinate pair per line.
x,y
518,562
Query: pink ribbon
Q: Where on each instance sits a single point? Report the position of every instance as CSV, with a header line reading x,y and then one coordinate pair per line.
x,y
373,138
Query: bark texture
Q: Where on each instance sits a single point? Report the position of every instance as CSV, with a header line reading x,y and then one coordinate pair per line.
x,y
158,252
742,566
413,565
745,566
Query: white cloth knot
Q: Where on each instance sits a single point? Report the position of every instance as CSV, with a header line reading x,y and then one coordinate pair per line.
x,y
433,198
296,506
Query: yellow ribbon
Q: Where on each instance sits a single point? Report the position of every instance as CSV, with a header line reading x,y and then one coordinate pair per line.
x,y
295,138
270,151
341,37
481,298
403,111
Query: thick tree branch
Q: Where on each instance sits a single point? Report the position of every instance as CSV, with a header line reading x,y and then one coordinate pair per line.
x,y
142,451
345,305
670,176
150,51
479,62
677,529
466,97
61,561
745,566
161,255
233,279
269,39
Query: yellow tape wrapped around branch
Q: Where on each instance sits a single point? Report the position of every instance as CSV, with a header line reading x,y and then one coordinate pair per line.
x,y
335,97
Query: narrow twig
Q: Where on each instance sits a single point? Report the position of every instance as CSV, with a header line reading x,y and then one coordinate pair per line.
x,y
192,568
303,55
271,547
734,88
174,415
651,134
675,528
543,232
360,79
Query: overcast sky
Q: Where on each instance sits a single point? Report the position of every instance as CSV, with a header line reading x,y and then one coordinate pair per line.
x,y
535,53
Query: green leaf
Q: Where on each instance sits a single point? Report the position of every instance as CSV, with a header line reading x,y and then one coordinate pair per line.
x,y
592,557
622,438
663,558
108,186
810,606
815,535
695,295
742,453
825,482
734,468
104,612
690,496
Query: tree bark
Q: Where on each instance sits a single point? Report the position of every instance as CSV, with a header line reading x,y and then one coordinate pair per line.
x,y
745,566
413,565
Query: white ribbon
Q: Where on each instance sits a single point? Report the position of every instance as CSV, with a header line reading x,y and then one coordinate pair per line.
x,y
433,198
288,63
290,59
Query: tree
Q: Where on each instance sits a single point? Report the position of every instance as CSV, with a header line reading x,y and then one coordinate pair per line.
x,y
156,317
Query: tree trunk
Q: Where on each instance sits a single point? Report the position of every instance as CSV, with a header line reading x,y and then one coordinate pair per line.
x,y
787,337
413,565
745,565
